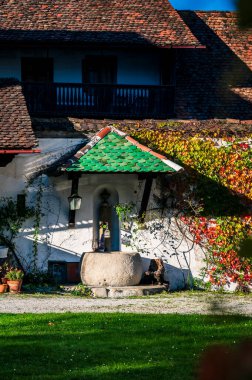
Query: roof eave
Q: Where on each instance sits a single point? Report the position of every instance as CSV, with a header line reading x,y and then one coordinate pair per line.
x,y
188,47
107,45
19,151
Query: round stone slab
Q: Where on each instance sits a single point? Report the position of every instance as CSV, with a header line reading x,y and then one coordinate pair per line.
x,y
111,269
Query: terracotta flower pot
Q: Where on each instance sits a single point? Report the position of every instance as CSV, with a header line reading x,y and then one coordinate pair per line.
x,y
4,280
3,288
14,285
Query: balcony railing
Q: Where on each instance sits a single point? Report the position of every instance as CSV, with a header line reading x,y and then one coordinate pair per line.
x,y
99,100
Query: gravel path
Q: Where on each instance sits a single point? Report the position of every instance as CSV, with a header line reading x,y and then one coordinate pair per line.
x,y
182,303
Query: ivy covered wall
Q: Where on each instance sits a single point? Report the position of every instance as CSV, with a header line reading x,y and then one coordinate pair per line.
x,y
215,198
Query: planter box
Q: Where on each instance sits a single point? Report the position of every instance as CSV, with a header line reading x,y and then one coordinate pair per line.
x,y
3,251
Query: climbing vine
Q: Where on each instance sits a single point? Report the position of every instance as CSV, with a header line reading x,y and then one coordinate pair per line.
x,y
11,221
36,225
218,208
124,211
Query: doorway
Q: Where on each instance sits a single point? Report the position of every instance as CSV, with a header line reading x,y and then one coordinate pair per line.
x,y
37,70
100,74
99,69
106,232
37,75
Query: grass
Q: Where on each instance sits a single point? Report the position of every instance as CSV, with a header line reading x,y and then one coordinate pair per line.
x,y
111,346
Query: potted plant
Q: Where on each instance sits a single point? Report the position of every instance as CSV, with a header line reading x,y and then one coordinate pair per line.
x,y
15,279
3,288
4,269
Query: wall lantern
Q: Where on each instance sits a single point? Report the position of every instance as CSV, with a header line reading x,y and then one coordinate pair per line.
x,y
74,202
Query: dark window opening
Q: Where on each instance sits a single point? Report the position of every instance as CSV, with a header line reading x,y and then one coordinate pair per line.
x,y
167,71
99,69
37,70
64,272
58,271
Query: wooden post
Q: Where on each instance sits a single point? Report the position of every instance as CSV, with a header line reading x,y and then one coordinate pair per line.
x,y
74,190
145,199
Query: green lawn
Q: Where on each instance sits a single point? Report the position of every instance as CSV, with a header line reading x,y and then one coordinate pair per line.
x,y
111,346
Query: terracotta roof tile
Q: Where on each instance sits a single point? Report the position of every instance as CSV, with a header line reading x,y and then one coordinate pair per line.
x,y
139,22
215,82
15,123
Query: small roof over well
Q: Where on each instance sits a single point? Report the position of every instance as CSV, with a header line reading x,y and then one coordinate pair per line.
x,y
115,22
16,131
113,151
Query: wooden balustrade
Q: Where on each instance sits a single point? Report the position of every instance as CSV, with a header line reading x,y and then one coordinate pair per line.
x,y
99,100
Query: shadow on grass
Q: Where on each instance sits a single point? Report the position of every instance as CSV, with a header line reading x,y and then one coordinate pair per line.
x,y
108,346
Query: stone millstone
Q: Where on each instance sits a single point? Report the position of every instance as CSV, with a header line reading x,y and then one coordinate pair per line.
x,y
111,269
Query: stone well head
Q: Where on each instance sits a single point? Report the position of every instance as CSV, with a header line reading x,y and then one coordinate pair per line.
x,y
111,269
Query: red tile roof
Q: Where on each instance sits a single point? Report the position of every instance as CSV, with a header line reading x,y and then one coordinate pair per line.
x,y
215,82
139,22
225,25
15,123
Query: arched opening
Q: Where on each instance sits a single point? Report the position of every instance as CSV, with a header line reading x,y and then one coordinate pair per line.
x,y
106,232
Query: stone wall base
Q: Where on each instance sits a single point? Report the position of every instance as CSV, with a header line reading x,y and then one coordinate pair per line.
x,y
128,291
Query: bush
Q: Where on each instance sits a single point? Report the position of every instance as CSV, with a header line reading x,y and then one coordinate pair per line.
x,y
39,278
82,290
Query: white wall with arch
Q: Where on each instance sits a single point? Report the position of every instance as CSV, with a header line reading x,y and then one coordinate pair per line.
x,y
59,243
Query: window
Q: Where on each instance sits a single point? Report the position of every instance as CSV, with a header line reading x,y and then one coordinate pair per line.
x,y
64,272
37,70
99,69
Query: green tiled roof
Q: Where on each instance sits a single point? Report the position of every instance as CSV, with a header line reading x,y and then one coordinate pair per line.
x,y
114,153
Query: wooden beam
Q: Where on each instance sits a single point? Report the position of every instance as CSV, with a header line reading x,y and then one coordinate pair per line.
x,y
145,199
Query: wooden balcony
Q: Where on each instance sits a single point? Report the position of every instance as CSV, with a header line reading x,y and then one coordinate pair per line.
x,y
99,100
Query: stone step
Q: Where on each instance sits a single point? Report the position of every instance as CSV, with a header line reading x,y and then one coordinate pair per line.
x,y
128,291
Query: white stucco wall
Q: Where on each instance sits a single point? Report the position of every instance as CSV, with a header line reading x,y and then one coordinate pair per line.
x,y
57,242
14,176
133,67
